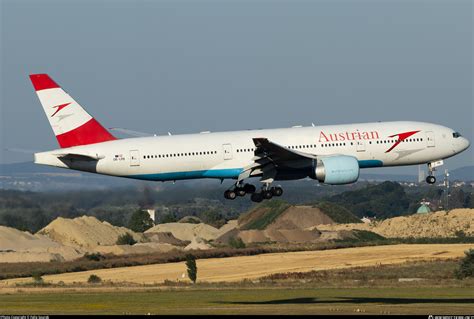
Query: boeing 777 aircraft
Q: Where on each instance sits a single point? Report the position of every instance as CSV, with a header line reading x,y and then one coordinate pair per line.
x,y
332,154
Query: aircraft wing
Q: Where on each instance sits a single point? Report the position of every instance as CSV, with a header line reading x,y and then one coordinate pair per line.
x,y
278,152
271,157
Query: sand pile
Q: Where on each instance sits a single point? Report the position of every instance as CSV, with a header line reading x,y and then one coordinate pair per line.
x,y
85,232
301,217
18,246
142,248
198,244
439,224
165,238
190,220
183,231
279,235
229,226
289,226
15,240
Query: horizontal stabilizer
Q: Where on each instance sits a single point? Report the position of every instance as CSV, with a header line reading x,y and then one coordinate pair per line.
x,y
79,157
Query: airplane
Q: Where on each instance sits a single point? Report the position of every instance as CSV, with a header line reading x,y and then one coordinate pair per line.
x,y
330,154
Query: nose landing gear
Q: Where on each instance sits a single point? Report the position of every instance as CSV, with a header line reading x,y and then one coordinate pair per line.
x,y
430,179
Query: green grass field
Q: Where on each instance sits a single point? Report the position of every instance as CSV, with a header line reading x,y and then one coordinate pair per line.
x,y
428,300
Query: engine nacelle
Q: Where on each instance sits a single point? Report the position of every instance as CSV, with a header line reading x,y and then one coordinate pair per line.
x,y
336,170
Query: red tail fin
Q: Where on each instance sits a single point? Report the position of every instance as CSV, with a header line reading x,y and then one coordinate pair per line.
x,y
71,124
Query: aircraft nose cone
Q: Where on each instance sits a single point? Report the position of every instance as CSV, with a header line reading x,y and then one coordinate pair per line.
x,y
465,143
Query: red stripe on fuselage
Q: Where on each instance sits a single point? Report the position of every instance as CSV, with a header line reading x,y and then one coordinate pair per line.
x,y
89,133
42,82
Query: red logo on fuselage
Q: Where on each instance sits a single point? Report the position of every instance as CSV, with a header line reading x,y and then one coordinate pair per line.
x,y
401,137
364,135
59,108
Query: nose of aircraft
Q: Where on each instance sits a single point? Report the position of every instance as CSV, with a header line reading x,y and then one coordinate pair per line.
x,y
464,143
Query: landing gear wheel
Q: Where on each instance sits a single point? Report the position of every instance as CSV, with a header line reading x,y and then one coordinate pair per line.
x,y
256,197
230,194
249,188
267,194
277,191
431,179
240,191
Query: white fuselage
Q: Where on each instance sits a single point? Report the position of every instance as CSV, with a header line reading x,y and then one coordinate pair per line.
x,y
224,154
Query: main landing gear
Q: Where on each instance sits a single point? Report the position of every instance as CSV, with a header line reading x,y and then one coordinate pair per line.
x,y
241,190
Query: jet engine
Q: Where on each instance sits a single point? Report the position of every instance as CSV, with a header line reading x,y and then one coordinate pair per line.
x,y
336,170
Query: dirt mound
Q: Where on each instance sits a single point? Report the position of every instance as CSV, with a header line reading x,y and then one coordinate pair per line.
x,y
301,217
279,222
183,231
226,237
85,232
190,220
253,236
198,244
18,246
165,238
439,224
12,239
29,256
279,235
262,215
142,248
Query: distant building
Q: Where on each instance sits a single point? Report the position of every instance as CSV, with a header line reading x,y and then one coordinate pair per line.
x,y
423,209
366,220
151,212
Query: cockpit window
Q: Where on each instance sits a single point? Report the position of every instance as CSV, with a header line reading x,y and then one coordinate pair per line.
x,y
456,134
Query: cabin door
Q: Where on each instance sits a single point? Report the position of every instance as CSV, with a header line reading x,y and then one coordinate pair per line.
x,y
360,146
430,140
134,158
227,150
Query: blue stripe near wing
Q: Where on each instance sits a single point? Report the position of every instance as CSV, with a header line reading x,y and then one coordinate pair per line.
x,y
370,163
212,173
219,173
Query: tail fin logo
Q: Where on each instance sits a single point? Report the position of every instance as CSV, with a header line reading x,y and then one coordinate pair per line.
x,y
59,108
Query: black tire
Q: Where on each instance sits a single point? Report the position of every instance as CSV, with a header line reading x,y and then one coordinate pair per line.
x,y
249,188
277,191
231,195
267,194
256,197
431,179
240,191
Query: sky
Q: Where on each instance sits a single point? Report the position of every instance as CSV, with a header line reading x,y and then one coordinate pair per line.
x,y
191,66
